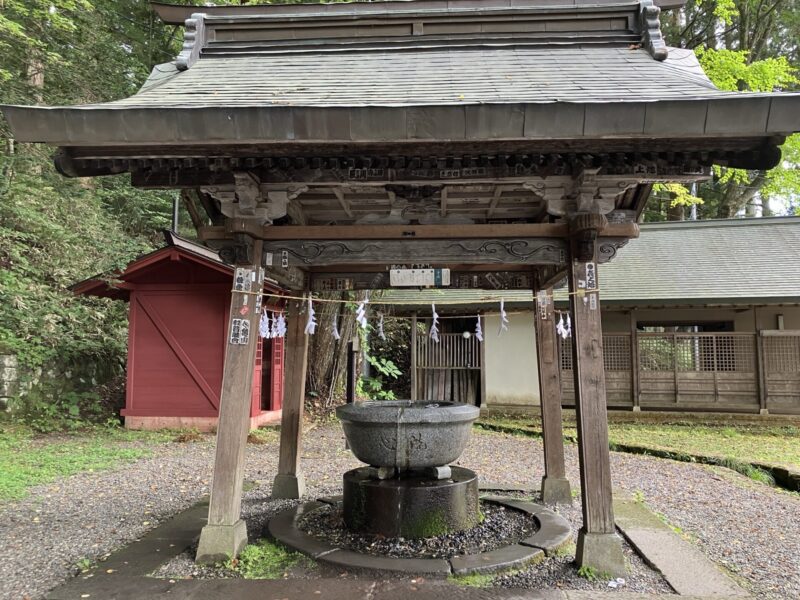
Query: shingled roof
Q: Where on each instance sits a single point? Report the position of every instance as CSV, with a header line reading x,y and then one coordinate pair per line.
x,y
688,263
455,70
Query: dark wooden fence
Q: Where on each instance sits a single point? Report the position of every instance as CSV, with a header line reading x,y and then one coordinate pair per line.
x,y
726,372
449,371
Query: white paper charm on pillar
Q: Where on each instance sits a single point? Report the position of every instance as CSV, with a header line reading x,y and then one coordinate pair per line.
x,y
434,333
280,327
264,325
381,334
274,327
336,334
568,327
478,329
361,314
311,324
503,318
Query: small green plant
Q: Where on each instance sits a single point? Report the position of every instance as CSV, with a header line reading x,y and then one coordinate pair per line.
x,y
84,565
638,497
593,575
472,580
265,560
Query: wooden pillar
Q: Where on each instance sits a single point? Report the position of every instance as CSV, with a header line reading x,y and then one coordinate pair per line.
x,y
289,482
226,533
599,546
635,363
414,389
555,486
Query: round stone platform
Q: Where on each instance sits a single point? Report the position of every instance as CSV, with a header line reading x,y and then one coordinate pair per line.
x,y
554,532
421,507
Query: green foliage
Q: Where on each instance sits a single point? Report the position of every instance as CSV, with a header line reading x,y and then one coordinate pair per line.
x,y
680,196
375,386
266,560
732,71
725,10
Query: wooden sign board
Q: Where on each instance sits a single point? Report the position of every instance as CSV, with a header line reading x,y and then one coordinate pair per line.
x,y
419,277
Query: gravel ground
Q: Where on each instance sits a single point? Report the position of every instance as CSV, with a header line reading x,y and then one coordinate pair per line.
x,y
752,529
500,527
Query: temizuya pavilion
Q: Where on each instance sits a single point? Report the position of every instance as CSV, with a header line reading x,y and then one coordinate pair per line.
x,y
511,141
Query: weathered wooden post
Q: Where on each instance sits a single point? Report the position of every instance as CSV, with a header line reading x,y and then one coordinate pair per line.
x,y
555,486
226,533
414,389
599,546
289,482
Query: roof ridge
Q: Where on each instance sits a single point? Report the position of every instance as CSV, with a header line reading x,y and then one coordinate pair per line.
x,y
719,223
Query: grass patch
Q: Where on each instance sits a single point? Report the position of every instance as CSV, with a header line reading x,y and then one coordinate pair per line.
x,y
472,580
264,435
27,460
266,560
743,442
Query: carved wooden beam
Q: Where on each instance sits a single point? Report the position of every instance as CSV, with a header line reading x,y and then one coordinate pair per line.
x,y
506,251
419,232
375,280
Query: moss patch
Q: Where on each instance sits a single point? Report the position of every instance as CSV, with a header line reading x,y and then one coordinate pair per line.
x,y
472,580
431,524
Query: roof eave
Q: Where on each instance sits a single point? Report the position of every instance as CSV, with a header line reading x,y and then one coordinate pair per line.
x,y
744,115
174,14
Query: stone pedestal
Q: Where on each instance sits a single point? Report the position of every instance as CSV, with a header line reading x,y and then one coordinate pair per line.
x,y
221,542
288,487
556,490
602,552
411,506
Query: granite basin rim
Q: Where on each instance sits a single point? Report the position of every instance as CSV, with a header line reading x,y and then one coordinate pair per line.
x,y
407,412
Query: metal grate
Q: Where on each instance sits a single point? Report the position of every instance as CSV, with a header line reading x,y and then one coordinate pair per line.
x,y
782,354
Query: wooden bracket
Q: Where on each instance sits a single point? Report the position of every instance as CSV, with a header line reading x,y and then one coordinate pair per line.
x,y
584,229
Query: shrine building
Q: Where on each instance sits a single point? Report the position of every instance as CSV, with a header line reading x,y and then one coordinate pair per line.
x,y
513,142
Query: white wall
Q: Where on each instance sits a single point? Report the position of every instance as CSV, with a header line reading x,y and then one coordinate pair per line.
x,y
510,367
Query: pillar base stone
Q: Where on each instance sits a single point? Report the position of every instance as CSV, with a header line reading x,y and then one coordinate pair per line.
x,y
556,491
288,487
763,412
221,542
602,552
637,409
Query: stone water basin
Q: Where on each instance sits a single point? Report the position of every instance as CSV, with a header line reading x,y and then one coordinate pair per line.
x,y
407,435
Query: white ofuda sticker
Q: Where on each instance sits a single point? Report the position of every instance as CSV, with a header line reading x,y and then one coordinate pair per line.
x,y
591,276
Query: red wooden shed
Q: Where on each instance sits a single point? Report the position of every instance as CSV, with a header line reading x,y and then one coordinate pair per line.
x,y
179,300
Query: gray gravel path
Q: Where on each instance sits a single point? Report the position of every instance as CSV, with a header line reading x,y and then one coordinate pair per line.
x,y
753,529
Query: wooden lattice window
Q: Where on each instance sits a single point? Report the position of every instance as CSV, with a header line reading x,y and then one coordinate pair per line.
x,y
782,354
616,353
656,353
